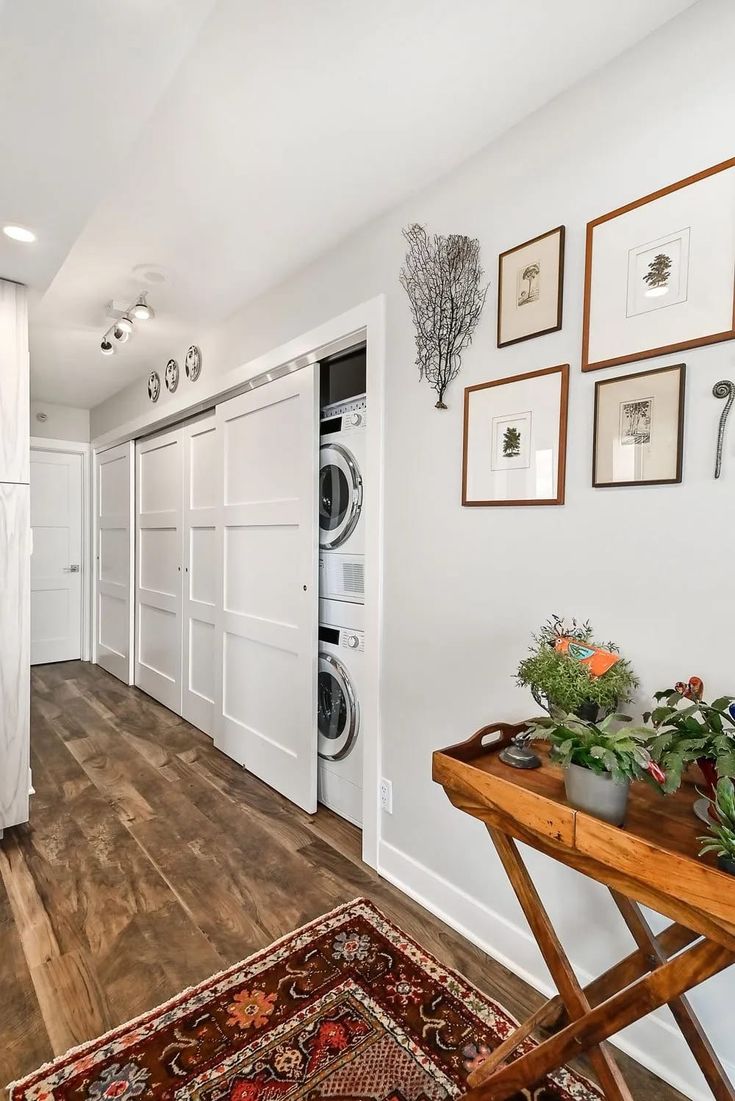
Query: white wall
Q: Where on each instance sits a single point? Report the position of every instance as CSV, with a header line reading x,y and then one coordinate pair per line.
x,y
464,588
64,422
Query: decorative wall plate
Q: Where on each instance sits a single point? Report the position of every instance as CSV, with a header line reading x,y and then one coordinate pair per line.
x,y
193,363
171,375
154,386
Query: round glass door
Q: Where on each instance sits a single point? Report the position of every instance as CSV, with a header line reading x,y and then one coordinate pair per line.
x,y
338,716
340,495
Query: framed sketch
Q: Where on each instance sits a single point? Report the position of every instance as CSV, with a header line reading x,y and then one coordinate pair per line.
x,y
515,439
660,272
530,288
639,423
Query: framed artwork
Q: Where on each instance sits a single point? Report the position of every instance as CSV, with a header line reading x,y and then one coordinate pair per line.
x,y
515,439
660,272
639,421
530,288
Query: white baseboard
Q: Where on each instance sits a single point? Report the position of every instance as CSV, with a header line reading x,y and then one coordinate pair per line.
x,y
653,1042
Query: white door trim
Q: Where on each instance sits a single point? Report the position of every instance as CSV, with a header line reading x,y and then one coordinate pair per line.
x,y
73,447
365,321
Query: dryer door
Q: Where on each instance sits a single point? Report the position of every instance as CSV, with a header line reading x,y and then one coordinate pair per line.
x,y
338,712
340,495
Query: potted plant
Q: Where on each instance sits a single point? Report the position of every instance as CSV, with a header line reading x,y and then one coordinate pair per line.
x,y
599,761
721,837
562,680
689,730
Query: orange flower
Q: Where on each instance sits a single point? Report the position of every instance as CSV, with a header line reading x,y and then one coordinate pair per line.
x,y
251,1007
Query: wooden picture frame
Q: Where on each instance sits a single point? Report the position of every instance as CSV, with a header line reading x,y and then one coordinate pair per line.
x,y
700,209
546,314
543,397
672,422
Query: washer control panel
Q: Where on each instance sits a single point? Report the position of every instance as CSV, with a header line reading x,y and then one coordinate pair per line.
x,y
351,640
344,415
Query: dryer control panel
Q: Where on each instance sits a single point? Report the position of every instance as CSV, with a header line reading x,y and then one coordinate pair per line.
x,y
343,416
351,640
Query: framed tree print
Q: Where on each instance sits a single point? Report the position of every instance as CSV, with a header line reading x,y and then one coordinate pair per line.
x,y
515,437
531,288
660,272
639,422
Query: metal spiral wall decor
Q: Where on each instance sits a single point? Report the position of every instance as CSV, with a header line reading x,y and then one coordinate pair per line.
x,y
721,390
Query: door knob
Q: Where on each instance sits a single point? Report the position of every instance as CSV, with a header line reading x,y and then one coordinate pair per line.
x,y
71,569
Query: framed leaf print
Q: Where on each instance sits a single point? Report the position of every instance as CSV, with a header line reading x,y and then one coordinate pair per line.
x,y
660,272
639,422
530,288
515,436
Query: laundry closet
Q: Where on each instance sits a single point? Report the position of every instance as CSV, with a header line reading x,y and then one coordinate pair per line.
x,y
246,593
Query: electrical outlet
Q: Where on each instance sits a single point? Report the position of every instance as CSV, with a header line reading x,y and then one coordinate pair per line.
x,y
386,795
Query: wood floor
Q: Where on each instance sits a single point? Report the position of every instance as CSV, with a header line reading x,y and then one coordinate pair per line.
x,y
152,861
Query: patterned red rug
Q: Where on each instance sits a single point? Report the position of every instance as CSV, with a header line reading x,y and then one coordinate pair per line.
x,y
348,1007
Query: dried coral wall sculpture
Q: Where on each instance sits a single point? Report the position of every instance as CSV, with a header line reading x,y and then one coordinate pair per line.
x,y
443,279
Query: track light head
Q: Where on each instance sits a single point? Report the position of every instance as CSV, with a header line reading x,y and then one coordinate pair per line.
x,y
120,335
125,324
141,311
106,347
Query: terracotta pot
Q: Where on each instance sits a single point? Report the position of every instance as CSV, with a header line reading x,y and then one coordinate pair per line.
x,y
597,793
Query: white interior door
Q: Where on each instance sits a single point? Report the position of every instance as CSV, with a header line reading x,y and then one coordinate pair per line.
x,y
56,562
268,632
201,672
159,499
114,535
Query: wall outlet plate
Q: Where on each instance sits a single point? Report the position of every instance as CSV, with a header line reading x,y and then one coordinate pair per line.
x,y
386,795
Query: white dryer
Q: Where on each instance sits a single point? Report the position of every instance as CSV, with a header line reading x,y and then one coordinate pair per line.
x,y
339,714
341,514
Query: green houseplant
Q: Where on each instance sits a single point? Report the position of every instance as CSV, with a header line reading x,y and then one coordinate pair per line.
x,y
599,761
721,837
559,683
688,730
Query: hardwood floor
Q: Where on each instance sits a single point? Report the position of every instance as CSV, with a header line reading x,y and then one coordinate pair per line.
x,y
152,861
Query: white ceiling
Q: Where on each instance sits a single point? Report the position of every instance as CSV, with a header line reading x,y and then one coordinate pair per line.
x,y
229,142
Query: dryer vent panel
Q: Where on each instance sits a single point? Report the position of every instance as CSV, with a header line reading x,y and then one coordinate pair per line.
x,y
342,577
343,376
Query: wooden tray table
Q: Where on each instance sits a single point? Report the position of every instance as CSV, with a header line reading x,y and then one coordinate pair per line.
x,y
651,860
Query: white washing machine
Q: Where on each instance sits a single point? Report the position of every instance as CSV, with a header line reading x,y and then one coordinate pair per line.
x,y
339,715
342,453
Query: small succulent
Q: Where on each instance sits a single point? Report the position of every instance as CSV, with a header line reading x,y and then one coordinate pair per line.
x,y
623,752
721,837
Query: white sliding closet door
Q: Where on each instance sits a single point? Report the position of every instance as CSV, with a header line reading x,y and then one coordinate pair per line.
x,y
114,557
268,634
158,619
201,672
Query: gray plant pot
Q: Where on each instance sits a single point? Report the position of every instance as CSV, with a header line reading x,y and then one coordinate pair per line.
x,y
597,794
726,864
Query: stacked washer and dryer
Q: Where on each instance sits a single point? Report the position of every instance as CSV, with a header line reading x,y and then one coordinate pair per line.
x,y
341,605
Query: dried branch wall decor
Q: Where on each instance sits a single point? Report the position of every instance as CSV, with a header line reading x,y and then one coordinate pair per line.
x,y
442,277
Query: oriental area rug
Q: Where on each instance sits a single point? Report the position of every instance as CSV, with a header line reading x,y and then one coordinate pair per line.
x,y
347,1008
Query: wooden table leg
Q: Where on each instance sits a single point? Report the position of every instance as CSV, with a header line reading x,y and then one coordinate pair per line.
x,y
575,1001
687,1020
661,986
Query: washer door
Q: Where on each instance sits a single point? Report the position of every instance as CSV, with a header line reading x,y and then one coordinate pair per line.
x,y
338,712
340,495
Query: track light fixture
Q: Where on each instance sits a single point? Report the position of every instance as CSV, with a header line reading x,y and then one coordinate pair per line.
x,y
122,329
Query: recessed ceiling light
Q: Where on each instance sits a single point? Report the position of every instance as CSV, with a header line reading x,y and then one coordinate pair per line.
x,y
20,233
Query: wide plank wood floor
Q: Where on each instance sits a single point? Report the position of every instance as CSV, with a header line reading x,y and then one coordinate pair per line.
x,y
152,861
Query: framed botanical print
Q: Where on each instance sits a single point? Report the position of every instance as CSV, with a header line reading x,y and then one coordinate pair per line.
x,y
639,422
515,439
660,272
531,288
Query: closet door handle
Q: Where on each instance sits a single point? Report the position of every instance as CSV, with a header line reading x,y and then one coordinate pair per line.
x,y
71,569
